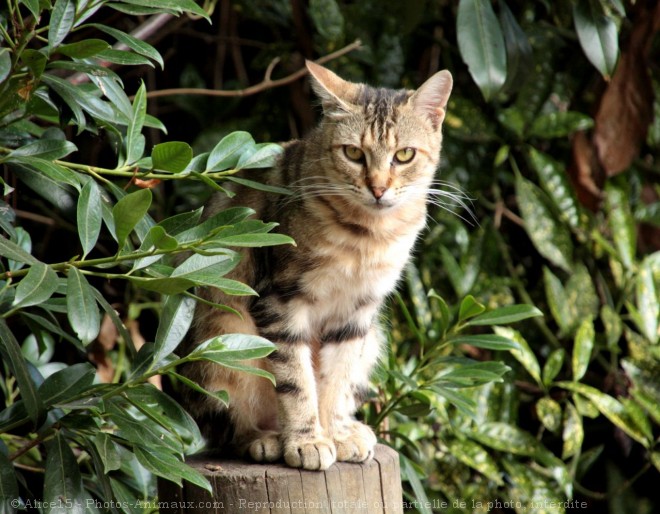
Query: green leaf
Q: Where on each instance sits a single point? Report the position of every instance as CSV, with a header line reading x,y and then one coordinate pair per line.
x,y
226,285
173,156
63,487
327,19
5,64
11,354
252,240
549,413
481,44
559,124
33,6
89,216
178,223
82,310
134,137
637,415
260,156
35,60
581,297
12,251
553,365
474,455
164,285
246,368
470,375
170,468
66,384
508,438
555,181
50,149
469,308
442,312
116,321
8,485
128,211
613,326
609,407
36,287
598,36
519,58
487,341
56,191
524,353
134,428
557,300
61,22
203,265
232,347
78,99
83,49
114,91
221,396
226,153
573,433
68,94
107,450
506,315
584,344
177,6
551,238
124,58
175,320
648,300
165,411
526,484
157,237
258,185
410,473
47,174
208,227
137,45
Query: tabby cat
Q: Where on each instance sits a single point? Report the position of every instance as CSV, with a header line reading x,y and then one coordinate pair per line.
x,y
361,183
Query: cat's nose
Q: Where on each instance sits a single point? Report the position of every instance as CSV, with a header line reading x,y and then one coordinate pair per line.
x,y
378,192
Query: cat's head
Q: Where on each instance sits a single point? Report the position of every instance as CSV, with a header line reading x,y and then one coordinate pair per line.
x,y
382,146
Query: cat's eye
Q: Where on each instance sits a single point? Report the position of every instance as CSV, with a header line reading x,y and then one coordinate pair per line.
x,y
404,155
354,153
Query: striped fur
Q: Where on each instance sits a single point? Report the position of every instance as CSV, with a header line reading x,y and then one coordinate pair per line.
x,y
355,222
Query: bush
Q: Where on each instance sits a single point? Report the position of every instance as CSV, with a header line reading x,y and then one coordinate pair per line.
x,y
557,407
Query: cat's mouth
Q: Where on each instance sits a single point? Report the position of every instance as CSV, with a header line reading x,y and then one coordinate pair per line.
x,y
381,204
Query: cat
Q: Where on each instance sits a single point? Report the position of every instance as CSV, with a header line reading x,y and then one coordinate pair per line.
x,y
360,184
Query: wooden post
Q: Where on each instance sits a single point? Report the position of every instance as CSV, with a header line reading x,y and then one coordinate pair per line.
x,y
373,487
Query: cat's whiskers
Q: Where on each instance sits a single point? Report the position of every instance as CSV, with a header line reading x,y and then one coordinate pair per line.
x,y
446,196
449,201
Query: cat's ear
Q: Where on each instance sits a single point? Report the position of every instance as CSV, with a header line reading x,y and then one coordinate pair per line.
x,y
431,98
335,93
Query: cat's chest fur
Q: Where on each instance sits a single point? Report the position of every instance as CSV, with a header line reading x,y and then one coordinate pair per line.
x,y
342,267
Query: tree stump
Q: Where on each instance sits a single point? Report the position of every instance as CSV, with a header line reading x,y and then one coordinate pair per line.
x,y
372,487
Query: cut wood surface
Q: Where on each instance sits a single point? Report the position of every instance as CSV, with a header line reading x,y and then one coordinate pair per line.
x,y
372,487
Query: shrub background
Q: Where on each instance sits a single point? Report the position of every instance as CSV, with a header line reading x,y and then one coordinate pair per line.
x,y
552,130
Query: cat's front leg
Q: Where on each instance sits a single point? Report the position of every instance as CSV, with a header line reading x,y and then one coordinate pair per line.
x,y
344,379
304,442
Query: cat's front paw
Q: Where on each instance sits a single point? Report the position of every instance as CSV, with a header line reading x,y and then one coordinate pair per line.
x,y
355,443
266,448
316,453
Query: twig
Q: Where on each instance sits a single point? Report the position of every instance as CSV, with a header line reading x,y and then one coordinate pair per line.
x,y
266,83
27,447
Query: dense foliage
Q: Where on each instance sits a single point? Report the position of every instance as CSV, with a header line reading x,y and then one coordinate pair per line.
x,y
101,196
